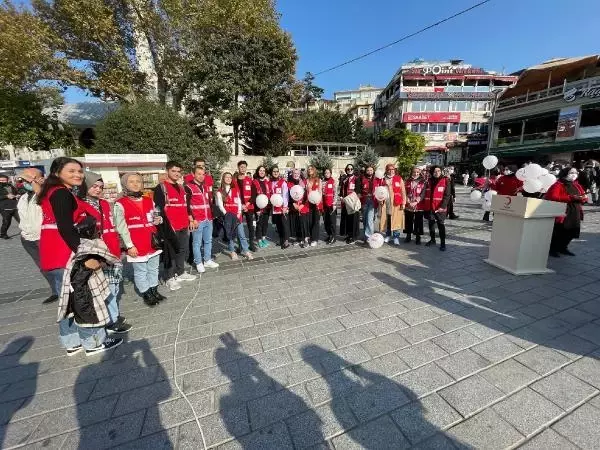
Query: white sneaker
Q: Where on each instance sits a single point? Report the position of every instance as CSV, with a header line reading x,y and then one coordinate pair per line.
x,y
313,244
173,284
200,268
396,241
386,239
248,255
185,277
233,256
211,264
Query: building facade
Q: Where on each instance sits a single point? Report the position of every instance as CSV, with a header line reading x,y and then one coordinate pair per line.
x,y
359,103
551,114
445,101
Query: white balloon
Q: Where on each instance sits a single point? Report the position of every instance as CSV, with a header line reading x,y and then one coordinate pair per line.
x,y
315,197
487,205
520,174
297,192
489,194
547,180
277,200
533,171
532,185
376,240
379,173
475,196
544,171
382,193
262,201
490,161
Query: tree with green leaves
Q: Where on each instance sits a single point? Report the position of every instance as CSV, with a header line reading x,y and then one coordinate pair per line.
x,y
321,160
409,147
269,162
366,158
311,92
322,125
147,127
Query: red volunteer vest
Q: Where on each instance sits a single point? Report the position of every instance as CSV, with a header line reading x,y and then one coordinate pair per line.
x,y
316,187
201,202
415,193
176,207
366,192
396,189
246,192
230,201
259,190
349,185
54,251
304,208
277,188
209,182
139,217
106,227
329,192
438,194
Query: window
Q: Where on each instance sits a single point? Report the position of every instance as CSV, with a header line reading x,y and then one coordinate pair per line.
x,y
479,127
481,106
590,116
438,128
442,106
463,127
461,106
422,128
453,128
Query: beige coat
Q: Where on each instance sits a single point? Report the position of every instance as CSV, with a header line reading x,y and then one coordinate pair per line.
x,y
396,213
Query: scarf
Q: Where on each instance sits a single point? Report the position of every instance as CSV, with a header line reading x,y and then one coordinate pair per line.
x,y
574,211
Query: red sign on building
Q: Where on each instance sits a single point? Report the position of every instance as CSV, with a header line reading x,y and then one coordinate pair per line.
x,y
433,117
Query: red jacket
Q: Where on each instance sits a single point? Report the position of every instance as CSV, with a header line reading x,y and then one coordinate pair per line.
x,y
347,186
558,193
368,186
106,226
201,202
508,185
176,206
433,201
54,251
329,192
396,189
138,217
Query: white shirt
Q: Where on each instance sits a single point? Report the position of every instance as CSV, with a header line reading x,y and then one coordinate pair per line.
x,y
30,214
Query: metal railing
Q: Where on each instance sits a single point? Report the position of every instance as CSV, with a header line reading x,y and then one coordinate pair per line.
x,y
542,137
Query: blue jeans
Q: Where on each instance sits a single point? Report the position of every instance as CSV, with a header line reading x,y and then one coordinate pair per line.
x,y
55,277
203,235
145,274
72,335
368,217
111,302
242,239
395,234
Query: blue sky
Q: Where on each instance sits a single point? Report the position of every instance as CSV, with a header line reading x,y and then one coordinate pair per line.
x,y
501,35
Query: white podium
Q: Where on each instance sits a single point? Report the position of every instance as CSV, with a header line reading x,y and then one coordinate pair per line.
x,y
521,233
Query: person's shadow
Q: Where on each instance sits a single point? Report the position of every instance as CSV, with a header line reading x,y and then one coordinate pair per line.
x,y
143,371
15,350
269,403
375,401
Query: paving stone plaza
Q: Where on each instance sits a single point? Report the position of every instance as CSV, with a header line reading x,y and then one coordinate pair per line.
x,y
339,347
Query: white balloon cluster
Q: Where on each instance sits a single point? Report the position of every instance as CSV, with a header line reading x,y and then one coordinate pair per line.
x,y
262,201
490,161
379,173
376,240
382,193
535,178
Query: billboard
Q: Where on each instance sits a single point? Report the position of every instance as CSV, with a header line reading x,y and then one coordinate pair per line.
x,y
567,123
433,117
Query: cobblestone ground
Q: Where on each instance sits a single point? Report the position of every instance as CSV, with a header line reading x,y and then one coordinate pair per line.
x,y
342,348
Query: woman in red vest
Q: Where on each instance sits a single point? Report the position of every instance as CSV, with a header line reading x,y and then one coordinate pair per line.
x,y
99,208
229,202
295,179
261,185
280,213
329,206
136,217
349,223
437,196
299,211
392,210
568,225
313,183
413,214
61,210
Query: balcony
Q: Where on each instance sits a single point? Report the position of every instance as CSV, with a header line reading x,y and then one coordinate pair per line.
x,y
544,137
547,94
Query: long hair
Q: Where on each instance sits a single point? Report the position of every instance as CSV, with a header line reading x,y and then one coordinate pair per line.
x,y
256,175
223,178
316,172
53,179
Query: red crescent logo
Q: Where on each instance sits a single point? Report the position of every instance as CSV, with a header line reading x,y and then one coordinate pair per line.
x,y
508,201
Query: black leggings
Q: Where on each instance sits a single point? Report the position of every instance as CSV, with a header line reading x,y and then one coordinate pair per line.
x,y
283,227
262,225
329,220
314,222
349,224
437,218
413,222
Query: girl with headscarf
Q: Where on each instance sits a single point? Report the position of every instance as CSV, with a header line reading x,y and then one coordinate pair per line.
x,y
568,225
313,183
391,211
293,216
413,214
349,222
136,218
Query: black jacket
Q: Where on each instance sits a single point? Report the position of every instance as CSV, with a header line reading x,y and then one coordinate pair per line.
x,y
5,202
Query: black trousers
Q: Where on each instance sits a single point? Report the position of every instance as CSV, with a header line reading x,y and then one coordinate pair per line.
x,y
437,218
562,237
413,222
262,225
314,222
249,216
183,238
451,207
33,249
302,227
349,224
7,217
329,220
282,223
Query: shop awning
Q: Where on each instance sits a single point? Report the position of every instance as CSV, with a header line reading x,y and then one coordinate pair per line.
x,y
548,149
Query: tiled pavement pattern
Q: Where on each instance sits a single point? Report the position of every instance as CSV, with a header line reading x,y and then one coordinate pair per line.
x,y
324,348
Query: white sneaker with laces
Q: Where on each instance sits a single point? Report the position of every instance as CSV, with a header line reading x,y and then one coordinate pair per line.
x,y
173,284
200,268
185,277
386,239
396,241
211,264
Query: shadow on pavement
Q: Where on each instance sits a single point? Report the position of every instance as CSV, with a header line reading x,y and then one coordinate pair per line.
x,y
16,350
381,406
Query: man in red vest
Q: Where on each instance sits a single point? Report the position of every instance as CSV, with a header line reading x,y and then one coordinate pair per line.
x,y
170,197
244,185
199,202
208,179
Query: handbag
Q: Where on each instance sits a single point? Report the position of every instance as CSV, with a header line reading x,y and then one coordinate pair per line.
x,y
352,203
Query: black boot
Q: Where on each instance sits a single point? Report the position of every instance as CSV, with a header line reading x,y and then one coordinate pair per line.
x,y
407,238
418,239
149,298
157,294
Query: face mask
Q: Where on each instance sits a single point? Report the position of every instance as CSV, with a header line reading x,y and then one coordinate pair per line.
x,y
28,187
556,172
572,176
507,172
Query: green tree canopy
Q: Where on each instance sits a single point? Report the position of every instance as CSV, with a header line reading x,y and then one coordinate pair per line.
x,y
322,125
367,157
409,147
147,127
321,161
